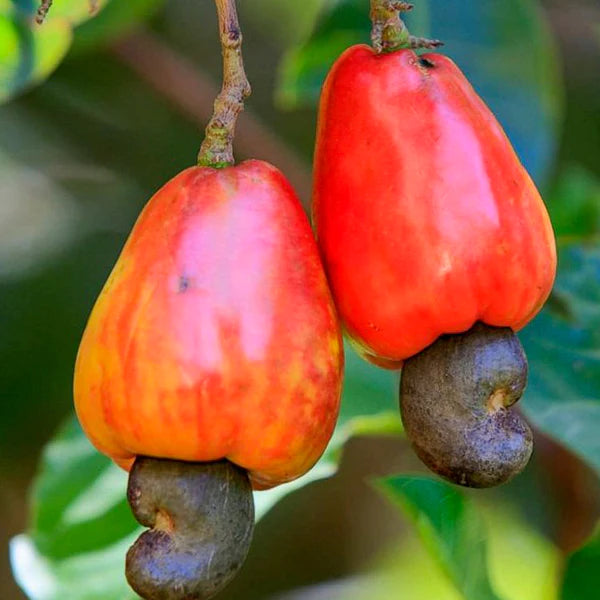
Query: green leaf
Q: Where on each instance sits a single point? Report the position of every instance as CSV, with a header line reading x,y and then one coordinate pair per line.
x,y
450,528
523,564
563,349
574,205
81,525
92,576
78,500
28,54
303,69
582,575
520,562
72,11
79,512
286,22
505,49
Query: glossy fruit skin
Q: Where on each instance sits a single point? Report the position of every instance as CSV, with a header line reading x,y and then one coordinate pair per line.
x,y
215,335
426,219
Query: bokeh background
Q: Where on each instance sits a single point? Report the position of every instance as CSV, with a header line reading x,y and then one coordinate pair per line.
x,y
81,153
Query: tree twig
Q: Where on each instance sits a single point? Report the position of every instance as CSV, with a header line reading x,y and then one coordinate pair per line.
x,y
42,11
217,147
45,6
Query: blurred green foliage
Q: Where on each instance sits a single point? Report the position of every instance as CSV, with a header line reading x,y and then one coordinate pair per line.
x,y
28,56
561,345
582,576
29,52
450,527
80,155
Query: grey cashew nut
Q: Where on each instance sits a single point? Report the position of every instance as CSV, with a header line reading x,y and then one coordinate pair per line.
x,y
455,400
201,519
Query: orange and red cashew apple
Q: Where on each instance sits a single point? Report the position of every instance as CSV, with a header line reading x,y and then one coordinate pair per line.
x,y
213,355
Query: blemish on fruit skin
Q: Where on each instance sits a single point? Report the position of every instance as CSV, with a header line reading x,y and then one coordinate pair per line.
x,y
425,63
184,284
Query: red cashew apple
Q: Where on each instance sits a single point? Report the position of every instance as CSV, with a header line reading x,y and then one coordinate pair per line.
x,y
215,335
426,219
430,226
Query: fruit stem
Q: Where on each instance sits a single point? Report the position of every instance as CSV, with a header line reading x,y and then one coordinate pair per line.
x,y
389,32
42,11
45,6
217,147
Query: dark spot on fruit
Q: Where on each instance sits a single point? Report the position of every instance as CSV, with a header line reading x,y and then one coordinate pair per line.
x,y
424,62
184,284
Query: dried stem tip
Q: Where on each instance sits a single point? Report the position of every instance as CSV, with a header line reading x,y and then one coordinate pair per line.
x,y
389,32
45,5
217,147
42,11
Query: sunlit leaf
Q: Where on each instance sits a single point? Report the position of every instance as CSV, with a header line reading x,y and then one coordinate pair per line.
x,y
73,11
92,576
522,563
450,528
78,500
28,54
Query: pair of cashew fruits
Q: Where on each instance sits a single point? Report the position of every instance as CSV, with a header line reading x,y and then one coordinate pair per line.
x,y
437,247
212,361
211,364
